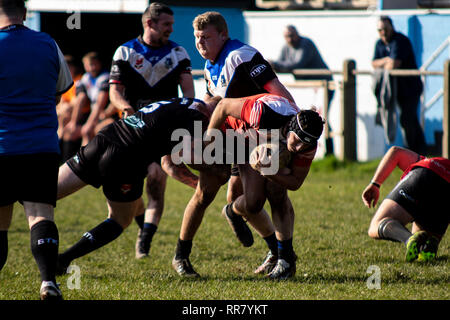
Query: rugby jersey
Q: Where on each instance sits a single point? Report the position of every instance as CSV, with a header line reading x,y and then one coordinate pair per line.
x,y
239,71
148,73
440,166
32,72
268,111
151,128
92,86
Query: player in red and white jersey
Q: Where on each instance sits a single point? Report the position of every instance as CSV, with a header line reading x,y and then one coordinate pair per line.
x,y
420,197
299,130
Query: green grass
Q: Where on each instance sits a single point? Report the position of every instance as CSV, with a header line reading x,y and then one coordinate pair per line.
x,y
330,239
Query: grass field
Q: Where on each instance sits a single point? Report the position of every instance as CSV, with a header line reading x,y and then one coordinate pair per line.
x,y
330,240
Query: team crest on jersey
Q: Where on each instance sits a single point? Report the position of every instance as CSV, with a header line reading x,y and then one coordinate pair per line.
x,y
169,63
125,188
139,63
223,82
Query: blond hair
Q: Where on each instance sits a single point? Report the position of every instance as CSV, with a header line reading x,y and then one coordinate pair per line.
x,y
210,18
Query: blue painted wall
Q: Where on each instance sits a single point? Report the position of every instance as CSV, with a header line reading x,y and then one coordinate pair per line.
x,y
427,32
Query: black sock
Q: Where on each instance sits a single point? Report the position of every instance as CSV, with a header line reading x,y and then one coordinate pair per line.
x,y
101,235
393,230
3,248
148,230
272,243
230,212
140,220
183,249
285,250
44,241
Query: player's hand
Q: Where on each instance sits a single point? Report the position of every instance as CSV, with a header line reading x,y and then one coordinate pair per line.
x,y
128,111
370,196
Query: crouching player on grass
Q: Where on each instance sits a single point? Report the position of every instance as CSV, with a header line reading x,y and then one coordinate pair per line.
x,y
421,197
299,131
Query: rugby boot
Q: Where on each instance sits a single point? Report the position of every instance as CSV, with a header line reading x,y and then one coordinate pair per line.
x,y
415,244
268,264
50,291
429,250
238,225
184,268
283,269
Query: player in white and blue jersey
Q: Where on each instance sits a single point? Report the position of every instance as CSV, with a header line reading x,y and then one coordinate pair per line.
x,y
147,69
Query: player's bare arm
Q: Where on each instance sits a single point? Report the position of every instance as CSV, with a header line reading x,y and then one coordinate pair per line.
x,y
187,85
116,94
291,181
395,157
179,172
226,107
275,87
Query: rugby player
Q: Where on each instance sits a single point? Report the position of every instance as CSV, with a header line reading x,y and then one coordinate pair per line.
x,y
299,130
146,69
232,69
419,198
117,159
33,75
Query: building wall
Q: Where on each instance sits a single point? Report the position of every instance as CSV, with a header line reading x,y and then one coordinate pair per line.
x,y
339,35
342,35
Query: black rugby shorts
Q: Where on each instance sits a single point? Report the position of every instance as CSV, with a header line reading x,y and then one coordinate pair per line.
x,y
424,194
32,178
119,170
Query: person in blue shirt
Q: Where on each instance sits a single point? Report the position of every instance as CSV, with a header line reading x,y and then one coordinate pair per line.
x,y
394,51
33,75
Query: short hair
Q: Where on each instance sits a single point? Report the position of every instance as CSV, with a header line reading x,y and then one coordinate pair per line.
x,y
93,55
154,10
387,19
292,28
210,18
12,7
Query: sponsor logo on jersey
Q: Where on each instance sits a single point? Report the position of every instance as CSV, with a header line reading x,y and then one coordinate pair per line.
x,y
257,70
139,63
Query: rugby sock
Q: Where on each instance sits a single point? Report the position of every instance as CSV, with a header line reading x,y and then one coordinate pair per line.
x,y
101,235
148,230
390,229
146,236
285,250
3,248
44,241
140,220
183,249
272,243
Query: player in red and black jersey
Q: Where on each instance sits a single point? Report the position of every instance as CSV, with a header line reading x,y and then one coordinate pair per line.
x,y
299,131
117,159
420,197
